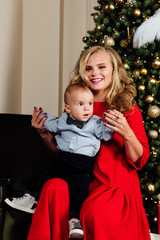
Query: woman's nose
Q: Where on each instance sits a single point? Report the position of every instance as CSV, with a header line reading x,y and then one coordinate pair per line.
x,y
94,71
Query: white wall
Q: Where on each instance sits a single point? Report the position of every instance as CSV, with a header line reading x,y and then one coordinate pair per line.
x,y
40,71
39,49
10,55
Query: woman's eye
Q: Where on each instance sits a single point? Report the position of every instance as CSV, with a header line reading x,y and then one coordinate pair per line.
x,y
88,68
102,67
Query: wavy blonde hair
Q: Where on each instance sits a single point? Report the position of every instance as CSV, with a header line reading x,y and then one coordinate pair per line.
x,y
121,94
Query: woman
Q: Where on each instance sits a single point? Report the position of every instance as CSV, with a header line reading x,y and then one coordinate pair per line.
x,y
114,208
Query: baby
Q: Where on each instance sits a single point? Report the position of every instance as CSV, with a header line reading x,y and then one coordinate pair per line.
x,y
78,142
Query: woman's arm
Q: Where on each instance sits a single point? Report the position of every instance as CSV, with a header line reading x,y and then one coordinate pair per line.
x,y
133,146
37,122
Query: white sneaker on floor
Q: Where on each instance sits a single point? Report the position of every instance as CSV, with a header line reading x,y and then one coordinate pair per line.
x,y
25,203
75,229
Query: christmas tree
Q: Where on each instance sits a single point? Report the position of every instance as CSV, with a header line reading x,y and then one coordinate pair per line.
x,y
116,23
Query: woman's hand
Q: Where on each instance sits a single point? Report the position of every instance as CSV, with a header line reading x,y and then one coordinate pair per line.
x,y
117,122
37,122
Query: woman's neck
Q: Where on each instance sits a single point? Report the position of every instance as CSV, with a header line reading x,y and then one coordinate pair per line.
x,y
99,96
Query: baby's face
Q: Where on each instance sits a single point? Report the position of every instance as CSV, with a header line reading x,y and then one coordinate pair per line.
x,y
80,104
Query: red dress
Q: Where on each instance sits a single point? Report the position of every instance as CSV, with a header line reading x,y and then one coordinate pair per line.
x,y
114,208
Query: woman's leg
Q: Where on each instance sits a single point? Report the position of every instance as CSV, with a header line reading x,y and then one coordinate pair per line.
x,y
50,221
113,214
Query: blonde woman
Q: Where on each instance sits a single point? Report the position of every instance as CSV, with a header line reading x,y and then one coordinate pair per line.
x,y
114,208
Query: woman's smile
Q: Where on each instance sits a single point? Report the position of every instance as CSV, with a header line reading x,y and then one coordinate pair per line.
x,y
96,80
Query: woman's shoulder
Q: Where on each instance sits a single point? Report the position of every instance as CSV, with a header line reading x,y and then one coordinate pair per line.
x,y
134,113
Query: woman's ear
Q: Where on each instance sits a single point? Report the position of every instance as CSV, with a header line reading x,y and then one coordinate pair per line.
x,y
67,109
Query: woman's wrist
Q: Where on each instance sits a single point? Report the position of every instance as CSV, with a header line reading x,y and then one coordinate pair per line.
x,y
128,136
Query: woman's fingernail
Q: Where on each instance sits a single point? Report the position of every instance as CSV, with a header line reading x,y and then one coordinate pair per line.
x,y
104,115
108,110
109,123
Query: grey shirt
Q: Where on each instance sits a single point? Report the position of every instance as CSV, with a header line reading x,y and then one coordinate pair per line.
x,y
75,140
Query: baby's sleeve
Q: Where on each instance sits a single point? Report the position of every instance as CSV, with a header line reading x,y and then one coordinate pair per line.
x,y
101,131
51,123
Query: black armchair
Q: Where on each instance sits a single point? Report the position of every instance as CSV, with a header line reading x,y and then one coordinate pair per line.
x,y
21,150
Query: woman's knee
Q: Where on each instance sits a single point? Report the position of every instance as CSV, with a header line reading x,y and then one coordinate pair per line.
x,y
56,184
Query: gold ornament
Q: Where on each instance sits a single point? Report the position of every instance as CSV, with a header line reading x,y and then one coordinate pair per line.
x,y
153,134
124,43
106,8
143,71
149,99
101,42
136,73
159,129
111,6
153,111
99,8
126,66
95,17
154,154
94,40
85,39
155,219
152,80
150,187
98,26
156,63
136,12
141,87
109,41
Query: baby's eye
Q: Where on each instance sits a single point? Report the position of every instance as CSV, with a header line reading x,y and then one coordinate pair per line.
x,y
90,103
80,104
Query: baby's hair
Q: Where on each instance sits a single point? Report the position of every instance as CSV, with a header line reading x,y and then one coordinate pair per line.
x,y
71,87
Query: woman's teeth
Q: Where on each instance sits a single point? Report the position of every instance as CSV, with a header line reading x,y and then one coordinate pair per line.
x,y
96,80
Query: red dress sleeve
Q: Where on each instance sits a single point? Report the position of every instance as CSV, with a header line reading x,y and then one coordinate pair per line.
x,y
135,121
